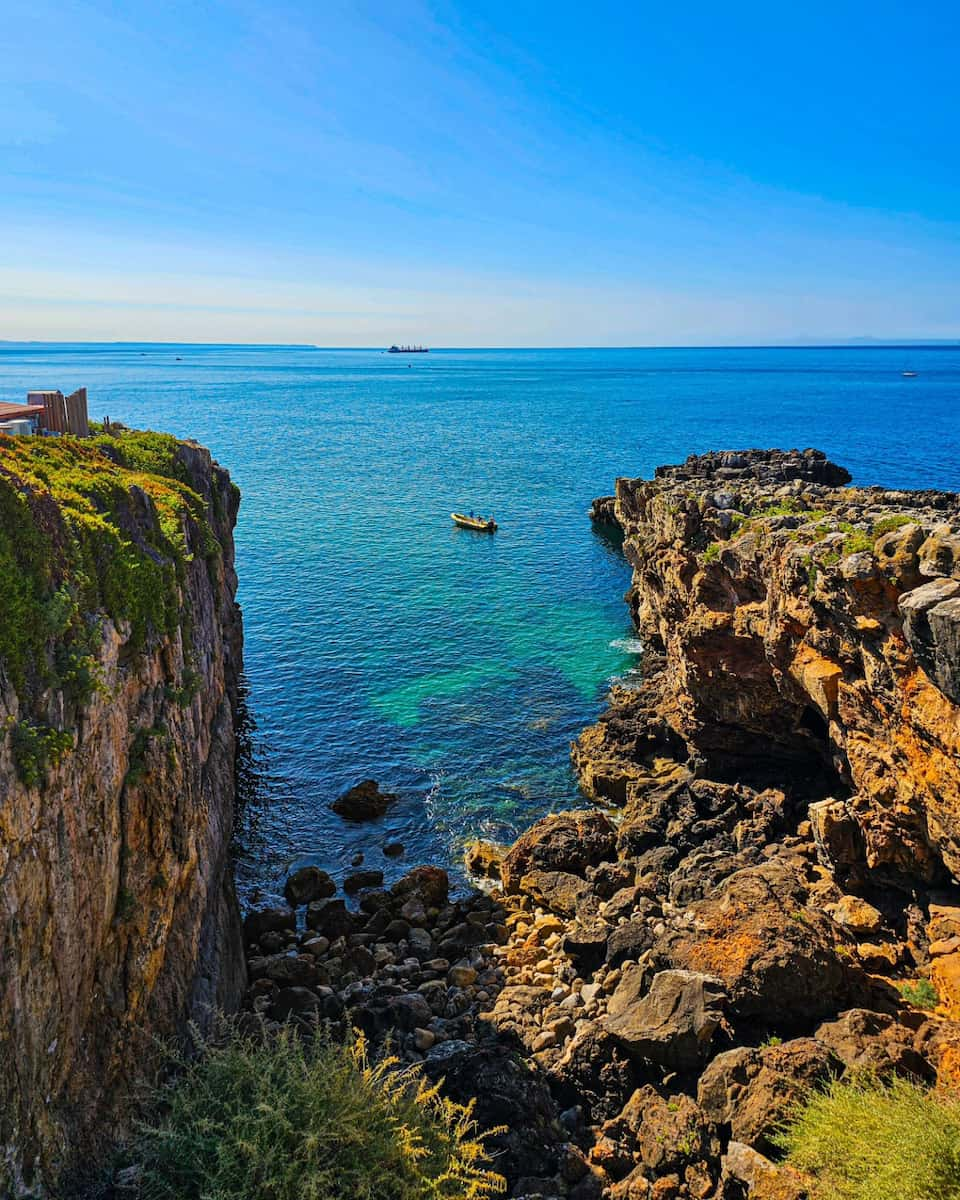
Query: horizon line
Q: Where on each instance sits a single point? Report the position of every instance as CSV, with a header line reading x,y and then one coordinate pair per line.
x,y
860,343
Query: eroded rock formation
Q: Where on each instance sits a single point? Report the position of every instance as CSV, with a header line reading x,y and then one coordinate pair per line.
x,y
806,627
117,912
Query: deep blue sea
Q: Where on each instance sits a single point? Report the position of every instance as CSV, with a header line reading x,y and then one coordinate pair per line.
x,y
455,668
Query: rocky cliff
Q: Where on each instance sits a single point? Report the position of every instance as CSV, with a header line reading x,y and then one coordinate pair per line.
x,y
809,627
120,647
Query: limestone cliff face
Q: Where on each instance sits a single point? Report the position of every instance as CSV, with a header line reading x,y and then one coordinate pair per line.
x,y
805,625
117,912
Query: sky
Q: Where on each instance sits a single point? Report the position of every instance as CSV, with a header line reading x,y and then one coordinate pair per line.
x,y
489,173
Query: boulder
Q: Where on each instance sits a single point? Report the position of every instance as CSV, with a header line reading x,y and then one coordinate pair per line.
x,y
306,884
666,1133
505,1093
559,891
363,802
751,1089
775,956
267,920
745,1172
359,880
874,1042
585,942
629,940
294,1002
674,1023
331,918
568,842
429,885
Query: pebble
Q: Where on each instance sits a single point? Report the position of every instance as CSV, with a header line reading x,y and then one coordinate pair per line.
x,y
461,977
423,1039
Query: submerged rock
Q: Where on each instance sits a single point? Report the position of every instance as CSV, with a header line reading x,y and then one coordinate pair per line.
x,y
363,802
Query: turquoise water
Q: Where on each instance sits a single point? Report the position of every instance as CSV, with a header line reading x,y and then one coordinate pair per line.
x,y
455,667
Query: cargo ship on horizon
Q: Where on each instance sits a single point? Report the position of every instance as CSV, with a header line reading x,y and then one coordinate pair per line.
x,y
409,350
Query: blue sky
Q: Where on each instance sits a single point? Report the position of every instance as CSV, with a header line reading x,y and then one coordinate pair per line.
x,y
479,174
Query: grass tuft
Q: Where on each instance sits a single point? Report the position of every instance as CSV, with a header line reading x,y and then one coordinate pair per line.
x,y
921,994
867,1140
289,1118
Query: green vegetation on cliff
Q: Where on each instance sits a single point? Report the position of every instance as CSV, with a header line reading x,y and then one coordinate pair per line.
x,y
866,1140
102,526
294,1119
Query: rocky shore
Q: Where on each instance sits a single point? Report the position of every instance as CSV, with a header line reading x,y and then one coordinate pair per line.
x,y
764,896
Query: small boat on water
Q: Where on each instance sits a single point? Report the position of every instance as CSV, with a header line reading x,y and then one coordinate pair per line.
x,y
479,524
909,374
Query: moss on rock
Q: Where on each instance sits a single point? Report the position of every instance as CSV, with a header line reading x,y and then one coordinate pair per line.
x,y
91,528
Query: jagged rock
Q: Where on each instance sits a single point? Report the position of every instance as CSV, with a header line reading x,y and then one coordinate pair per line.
x,y
306,884
785,658
673,1022
751,1090
506,1093
873,1042
482,860
363,802
603,510
858,916
568,842
595,1072
748,1175
931,624
668,1134
940,552
839,841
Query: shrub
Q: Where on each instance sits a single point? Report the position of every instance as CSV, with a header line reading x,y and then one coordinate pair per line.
x,y
712,553
865,1140
35,749
284,1118
921,994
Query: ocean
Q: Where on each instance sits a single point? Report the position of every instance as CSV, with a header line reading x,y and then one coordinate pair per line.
x,y
454,667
